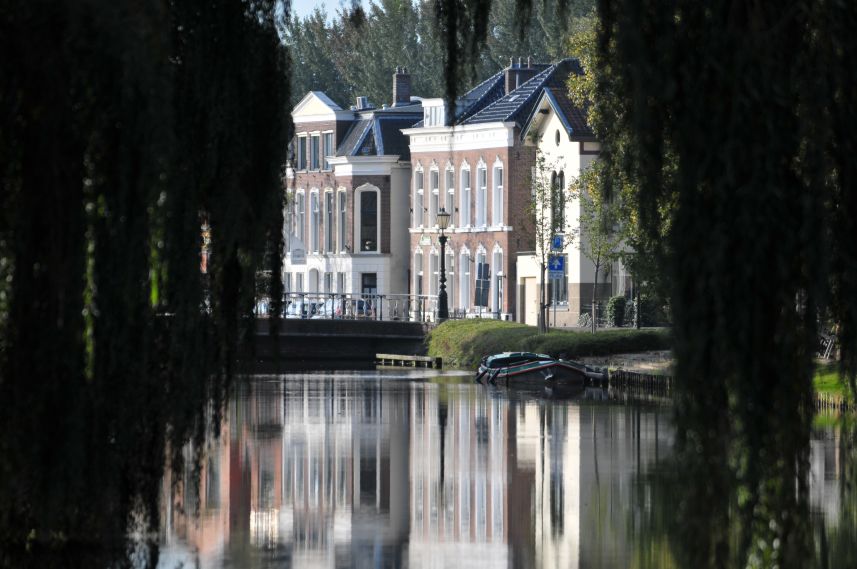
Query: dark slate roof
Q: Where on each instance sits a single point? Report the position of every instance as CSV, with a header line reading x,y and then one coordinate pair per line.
x,y
352,140
518,105
478,97
378,132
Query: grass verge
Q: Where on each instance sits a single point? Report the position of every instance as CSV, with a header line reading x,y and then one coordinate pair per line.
x,y
462,343
828,381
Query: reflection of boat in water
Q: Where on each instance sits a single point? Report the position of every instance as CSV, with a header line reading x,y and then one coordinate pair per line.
x,y
527,370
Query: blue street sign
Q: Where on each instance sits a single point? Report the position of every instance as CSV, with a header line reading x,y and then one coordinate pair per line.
x,y
556,266
556,243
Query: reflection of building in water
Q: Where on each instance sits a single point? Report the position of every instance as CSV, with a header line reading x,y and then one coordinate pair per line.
x,y
312,469
584,459
459,462
826,474
344,448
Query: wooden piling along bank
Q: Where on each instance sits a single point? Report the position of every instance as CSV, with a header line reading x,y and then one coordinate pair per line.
x,y
663,384
400,360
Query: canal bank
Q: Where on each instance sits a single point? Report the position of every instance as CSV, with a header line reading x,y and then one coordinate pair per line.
x,y
462,343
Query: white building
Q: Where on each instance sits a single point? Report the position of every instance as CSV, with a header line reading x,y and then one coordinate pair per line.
x,y
559,131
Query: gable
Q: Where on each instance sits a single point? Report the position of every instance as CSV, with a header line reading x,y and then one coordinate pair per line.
x,y
316,106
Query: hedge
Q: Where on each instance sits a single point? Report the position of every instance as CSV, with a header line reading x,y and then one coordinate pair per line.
x,y
462,343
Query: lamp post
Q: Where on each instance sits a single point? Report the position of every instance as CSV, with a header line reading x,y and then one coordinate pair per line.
x,y
442,307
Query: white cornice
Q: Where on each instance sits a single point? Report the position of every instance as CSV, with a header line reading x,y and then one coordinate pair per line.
x,y
324,117
463,137
363,165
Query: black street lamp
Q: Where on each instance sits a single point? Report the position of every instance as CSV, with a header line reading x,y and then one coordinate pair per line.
x,y
442,307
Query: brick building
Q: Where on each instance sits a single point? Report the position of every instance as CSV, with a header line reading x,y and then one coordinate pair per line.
x,y
347,186
478,168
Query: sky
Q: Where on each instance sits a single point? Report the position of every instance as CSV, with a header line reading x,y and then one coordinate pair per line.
x,y
302,8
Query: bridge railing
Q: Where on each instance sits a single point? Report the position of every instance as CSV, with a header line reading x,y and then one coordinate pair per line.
x,y
336,306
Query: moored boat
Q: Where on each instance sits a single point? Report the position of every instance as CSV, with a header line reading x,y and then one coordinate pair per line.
x,y
528,370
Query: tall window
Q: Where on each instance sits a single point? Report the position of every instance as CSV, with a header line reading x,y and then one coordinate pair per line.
x,y
301,152
481,196
418,273
313,152
299,282
559,287
418,199
497,284
450,278
450,195
300,214
328,222
434,274
340,229
327,149
464,280
464,208
314,221
369,221
328,283
558,204
497,197
434,177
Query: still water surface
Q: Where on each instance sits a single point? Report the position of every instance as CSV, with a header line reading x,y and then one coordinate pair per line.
x,y
424,469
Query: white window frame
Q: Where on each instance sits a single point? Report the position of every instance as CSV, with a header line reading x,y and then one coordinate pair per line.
x,y
434,196
419,190
314,222
481,195
315,161
418,272
465,218
497,193
300,215
342,219
449,176
325,151
365,188
464,262
329,217
301,151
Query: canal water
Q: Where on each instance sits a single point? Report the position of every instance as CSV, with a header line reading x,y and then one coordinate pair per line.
x,y
425,469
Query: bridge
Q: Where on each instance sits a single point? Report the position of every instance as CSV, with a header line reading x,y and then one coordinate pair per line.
x,y
331,343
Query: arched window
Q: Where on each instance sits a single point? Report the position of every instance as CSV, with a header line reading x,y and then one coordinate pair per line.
x,y
418,198
434,272
497,276
300,215
464,279
418,272
450,278
465,218
450,194
367,226
314,221
434,196
481,195
497,194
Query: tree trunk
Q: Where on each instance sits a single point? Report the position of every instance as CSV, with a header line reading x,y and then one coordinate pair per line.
x,y
542,302
594,292
637,306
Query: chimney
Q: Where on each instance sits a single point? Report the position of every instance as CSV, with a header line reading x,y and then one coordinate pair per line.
x,y
362,103
517,74
401,86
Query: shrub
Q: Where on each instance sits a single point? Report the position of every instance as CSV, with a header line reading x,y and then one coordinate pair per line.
x,y
616,311
462,343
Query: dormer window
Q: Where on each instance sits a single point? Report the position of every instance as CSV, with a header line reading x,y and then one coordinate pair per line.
x,y
434,114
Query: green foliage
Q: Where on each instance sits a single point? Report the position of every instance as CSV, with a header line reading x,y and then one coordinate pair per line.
x,y
755,145
463,343
616,311
126,125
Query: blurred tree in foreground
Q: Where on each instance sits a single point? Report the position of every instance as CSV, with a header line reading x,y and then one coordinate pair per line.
x,y
125,127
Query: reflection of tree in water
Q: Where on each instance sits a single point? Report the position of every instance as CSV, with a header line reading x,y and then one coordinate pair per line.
x,y
665,524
